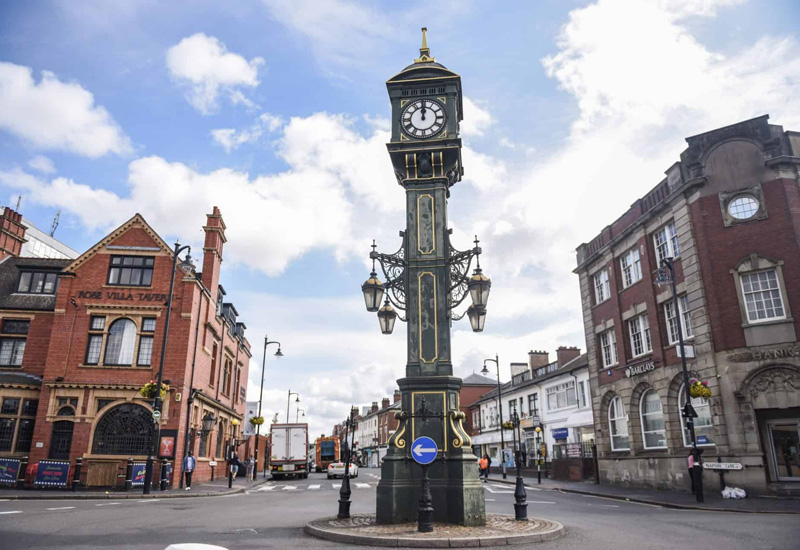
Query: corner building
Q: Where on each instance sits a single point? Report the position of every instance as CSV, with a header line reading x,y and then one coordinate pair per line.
x,y
729,213
94,338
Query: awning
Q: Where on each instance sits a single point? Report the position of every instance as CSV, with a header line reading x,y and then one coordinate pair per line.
x,y
580,418
491,437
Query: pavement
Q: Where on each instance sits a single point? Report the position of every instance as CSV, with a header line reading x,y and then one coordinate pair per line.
x,y
671,499
217,487
273,515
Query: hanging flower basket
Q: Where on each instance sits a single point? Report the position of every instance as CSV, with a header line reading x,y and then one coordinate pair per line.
x,y
699,388
508,425
257,420
148,391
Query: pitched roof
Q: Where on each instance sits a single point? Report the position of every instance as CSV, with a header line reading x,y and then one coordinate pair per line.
x,y
476,379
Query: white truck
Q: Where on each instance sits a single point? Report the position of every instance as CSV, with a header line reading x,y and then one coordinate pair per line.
x,y
289,455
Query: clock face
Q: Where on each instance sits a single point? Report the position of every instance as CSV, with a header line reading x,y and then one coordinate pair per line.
x,y
423,118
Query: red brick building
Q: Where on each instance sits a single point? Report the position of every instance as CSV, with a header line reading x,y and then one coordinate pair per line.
x,y
729,213
81,337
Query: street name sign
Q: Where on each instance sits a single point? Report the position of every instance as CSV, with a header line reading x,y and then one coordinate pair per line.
x,y
423,450
722,466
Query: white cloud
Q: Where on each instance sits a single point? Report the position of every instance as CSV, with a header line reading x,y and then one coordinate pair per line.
x,y
230,139
42,164
476,119
208,69
337,189
56,115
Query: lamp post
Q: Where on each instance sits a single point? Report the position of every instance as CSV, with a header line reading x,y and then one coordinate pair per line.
x,y
663,279
278,354
232,452
538,455
297,412
496,361
289,397
520,496
187,267
344,490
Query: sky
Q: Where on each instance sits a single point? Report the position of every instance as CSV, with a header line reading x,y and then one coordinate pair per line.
x,y
277,112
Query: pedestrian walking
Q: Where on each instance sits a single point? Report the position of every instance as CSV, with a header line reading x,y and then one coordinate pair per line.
x,y
483,463
691,470
488,465
189,464
251,462
233,464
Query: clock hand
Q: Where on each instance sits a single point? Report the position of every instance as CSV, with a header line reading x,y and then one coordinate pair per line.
x,y
423,112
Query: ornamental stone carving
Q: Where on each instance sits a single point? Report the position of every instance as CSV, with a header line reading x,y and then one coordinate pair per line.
x,y
775,380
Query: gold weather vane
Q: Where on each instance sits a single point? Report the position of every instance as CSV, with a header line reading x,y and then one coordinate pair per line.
x,y
424,51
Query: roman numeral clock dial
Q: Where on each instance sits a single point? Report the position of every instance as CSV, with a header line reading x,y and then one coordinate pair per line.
x,y
423,118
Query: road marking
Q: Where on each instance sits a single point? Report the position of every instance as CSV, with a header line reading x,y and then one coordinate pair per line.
x,y
61,508
362,485
266,488
337,485
150,500
110,504
373,475
290,488
11,512
539,502
498,492
489,499
606,505
313,487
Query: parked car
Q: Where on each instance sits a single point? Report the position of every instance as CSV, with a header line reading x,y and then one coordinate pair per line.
x,y
337,470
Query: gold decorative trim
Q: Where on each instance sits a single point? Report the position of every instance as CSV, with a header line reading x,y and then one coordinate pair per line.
x,y
435,317
433,225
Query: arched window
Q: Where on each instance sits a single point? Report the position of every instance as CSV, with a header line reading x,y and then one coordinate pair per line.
x,y
618,425
126,429
703,427
121,343
652,415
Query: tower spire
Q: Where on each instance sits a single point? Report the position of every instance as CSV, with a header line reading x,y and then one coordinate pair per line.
x,y
424,51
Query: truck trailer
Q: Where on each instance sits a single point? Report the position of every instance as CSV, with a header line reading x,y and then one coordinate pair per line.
x,y
289,451
327,453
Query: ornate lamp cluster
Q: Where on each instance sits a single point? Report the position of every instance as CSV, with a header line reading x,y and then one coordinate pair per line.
x,y
393,292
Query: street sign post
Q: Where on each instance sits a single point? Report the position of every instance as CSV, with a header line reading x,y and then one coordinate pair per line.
x,y
424,452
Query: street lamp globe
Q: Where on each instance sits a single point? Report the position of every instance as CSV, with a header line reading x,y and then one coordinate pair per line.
x,y
477,317
297,399
279,353
187,266
234,422
479,286
484,370
386,317
373,292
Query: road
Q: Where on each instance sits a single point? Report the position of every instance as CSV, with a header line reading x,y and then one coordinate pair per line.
x,y
272,516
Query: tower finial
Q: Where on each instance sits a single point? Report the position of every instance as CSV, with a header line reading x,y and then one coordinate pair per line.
x,y
424,51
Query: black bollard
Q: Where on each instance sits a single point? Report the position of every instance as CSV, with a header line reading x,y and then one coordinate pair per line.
x,y
76,477
520,496
596,464
425,518
163,475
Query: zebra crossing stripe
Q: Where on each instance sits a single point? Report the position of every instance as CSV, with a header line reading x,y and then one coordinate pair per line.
x,y
336,485
290,488
362,485
266,488
11,512
313,487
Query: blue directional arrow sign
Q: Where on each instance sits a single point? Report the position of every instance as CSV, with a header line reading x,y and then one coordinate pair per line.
x,y
423,450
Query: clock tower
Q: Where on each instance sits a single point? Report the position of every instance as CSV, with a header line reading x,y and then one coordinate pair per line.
x,y
428,279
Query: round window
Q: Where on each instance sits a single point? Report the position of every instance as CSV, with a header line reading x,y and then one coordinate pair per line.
x,y
743,207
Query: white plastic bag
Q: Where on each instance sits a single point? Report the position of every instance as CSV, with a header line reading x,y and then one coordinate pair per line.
x,y
733,492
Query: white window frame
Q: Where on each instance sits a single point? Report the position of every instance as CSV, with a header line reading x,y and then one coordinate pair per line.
x,y
761,292
700,405
556,389
665,242
582,391
642,326
642,415
686,319
618,409
602,286
631,265
608,342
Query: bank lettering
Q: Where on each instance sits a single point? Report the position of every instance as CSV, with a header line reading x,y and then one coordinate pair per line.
x,y
641,368
764,355
126,296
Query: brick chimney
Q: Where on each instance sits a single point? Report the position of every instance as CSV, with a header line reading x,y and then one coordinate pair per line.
x,y
374,407
12,233
397,396
385,403
566,354
212,249
538,359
